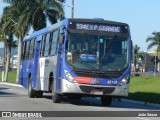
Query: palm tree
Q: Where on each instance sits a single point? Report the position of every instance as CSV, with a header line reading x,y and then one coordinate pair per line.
x,y
31,13
154,41
36,12
136,51
7,38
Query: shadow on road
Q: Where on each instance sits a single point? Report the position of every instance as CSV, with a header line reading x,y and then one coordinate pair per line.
x,y
2,88
145,96
95,102
4,92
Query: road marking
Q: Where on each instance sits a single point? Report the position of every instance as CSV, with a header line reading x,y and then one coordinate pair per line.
x,y
142,118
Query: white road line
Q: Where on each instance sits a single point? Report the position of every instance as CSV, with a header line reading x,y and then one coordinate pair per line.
x,y
141,118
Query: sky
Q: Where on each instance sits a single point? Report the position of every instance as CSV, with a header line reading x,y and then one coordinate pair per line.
x,y
143,16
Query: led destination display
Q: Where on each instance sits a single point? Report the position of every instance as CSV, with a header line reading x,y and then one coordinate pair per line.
x,y
102,27
98,27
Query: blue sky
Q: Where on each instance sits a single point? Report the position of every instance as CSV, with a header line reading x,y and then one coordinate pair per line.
x,y
143,16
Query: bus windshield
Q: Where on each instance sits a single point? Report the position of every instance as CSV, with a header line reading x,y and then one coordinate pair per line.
x,y
97,52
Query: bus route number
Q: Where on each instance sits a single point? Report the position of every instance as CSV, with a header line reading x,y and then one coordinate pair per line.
x,y
112,82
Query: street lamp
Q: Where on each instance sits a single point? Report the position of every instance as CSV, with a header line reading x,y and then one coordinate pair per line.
x,y
72,6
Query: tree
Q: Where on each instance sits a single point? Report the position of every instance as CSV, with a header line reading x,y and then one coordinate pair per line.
x,y
136,51
7,38
31,13
154,41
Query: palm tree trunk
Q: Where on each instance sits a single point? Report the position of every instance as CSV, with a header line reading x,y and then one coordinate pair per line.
x,y
19,58
4,60
7,63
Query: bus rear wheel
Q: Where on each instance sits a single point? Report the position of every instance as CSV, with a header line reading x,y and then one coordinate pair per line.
x,y
55,97
106,101
31,92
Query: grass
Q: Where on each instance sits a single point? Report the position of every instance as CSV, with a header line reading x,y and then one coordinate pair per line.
x,y
141,88
11,77
145,89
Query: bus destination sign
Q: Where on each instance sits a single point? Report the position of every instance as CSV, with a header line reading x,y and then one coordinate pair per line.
x,y
96,27
102,27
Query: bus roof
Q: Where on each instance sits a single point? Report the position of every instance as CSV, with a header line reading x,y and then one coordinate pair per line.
x,y
98,20
65,22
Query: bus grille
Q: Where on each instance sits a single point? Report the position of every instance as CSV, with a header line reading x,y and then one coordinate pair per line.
x,y
88,89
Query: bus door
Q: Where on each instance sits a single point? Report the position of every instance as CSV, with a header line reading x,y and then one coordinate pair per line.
x,y
36,67
23,66
36,63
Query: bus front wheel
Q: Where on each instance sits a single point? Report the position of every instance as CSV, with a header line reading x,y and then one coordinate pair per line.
x,y
55,97
106,100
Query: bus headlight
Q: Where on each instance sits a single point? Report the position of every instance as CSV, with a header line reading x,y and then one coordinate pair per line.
x,y
124,80
69,76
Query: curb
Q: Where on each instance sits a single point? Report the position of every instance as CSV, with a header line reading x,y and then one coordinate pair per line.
x,y
141,103
16,85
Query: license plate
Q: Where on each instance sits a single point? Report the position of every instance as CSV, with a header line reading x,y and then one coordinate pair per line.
x,y
96,92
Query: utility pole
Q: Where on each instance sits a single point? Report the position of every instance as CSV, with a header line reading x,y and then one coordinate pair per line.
x,y
72,8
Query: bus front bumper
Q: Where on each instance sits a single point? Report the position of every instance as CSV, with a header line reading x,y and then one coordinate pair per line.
x,y
94,90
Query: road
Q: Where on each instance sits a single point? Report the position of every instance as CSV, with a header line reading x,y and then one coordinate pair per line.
x,y
14,98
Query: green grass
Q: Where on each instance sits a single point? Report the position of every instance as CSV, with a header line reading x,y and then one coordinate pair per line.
x,y
11,77
145,89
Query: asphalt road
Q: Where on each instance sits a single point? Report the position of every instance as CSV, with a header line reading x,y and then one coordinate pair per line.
x,y
14,98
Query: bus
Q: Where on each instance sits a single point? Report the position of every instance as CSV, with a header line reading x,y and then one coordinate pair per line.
x,y
77,58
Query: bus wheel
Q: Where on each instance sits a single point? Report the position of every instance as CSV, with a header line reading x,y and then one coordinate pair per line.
x,y
39,94
106,100
55,97
31,92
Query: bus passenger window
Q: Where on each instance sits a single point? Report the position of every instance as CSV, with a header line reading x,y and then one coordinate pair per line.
x,y
42,45
31,50
54,43
27,50
23,51
46,47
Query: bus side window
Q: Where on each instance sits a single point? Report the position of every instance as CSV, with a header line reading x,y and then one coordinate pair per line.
x,y
50,43
27,50
42,45
46,47
54,43
31,50
23,51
